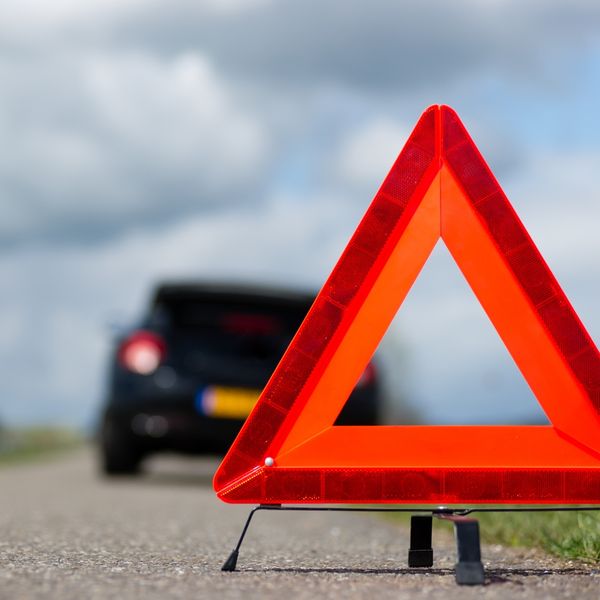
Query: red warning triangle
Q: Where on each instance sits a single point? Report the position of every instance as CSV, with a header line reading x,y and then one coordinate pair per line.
x,y
290,451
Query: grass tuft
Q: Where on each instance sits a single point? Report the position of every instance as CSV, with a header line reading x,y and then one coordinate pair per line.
x,y
574,535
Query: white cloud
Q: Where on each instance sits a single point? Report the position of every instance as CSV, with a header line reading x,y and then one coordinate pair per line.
x,y
377,45
119,140
25,22
176,112
367,153
555,197
381,44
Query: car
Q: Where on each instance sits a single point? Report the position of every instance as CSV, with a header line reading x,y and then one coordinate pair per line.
x,y
187,377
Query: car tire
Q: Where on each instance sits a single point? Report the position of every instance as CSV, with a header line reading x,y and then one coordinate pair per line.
x,y
118,452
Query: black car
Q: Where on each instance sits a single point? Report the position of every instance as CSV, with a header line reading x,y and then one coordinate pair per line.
x,y
187,378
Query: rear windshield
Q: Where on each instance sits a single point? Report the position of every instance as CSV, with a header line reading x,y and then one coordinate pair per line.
x,y
257,328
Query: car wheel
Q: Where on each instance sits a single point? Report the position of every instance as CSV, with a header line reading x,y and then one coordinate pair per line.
x,y
119,454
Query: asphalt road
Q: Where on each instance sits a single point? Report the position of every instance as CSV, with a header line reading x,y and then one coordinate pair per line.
x,y
66,533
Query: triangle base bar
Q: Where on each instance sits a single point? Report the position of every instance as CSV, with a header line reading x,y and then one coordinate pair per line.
x,y
416,486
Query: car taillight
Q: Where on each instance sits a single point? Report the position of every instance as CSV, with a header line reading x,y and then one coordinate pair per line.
x,y
367,377
142,352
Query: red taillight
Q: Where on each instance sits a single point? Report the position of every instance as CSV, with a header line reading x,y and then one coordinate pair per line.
x,y
142,352
250,324
368,376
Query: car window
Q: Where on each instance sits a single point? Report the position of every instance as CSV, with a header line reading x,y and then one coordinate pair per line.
x,y
231,327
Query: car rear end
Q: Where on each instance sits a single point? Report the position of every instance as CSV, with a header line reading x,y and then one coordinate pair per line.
x,y
187,378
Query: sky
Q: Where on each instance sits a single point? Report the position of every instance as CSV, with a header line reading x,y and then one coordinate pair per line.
x,y
143,140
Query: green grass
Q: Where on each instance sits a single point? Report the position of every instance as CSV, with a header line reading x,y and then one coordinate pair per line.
x,y
573,535
34,443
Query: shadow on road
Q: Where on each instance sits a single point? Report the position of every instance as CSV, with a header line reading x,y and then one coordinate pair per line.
x,y
504,575
493,575
350,570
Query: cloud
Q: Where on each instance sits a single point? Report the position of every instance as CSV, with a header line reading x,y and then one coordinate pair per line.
x,y
376,45
131,114
367,152
554,197
114,141
379,45
144,139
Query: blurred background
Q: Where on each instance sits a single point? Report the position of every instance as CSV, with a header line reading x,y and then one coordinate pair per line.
x,y
242,140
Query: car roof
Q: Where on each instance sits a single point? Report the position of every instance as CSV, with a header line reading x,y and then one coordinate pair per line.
x,y
219,291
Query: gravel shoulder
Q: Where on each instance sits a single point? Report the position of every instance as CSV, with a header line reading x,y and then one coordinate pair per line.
x,y
67,533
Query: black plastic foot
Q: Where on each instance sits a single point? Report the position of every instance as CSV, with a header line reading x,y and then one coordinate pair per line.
x,y
420,558
469,568
231,563
420,553
470,573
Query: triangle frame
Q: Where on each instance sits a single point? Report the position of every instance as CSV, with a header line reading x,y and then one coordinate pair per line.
x,y
290,451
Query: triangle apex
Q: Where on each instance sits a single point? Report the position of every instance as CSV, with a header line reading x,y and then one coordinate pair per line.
x,y
445,109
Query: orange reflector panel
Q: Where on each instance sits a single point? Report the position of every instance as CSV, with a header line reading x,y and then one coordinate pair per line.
x,y
290,451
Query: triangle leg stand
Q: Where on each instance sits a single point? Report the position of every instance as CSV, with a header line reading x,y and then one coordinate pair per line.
x,y
469,568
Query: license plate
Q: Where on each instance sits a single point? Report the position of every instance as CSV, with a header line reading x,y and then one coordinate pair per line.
x,y
226,402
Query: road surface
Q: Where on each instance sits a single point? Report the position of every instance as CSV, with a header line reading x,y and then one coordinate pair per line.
x,y
66,533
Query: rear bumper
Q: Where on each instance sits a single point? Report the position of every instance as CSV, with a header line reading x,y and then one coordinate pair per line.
x,y
160,423
155,429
